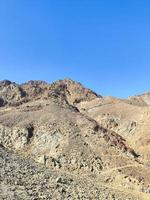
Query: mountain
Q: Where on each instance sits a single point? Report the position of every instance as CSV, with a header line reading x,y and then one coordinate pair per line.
x,y
64,141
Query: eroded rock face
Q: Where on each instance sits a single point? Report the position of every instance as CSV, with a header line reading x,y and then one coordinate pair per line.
x,y
63,91
73,91
10,94
16,137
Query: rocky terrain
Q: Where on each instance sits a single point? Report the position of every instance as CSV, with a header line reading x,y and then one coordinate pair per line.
x,y
64,141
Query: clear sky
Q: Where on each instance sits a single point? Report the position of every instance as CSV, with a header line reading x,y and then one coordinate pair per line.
x,y
104,44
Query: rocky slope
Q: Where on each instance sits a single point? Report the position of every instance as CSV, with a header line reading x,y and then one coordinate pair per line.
x,y
140,100
97,142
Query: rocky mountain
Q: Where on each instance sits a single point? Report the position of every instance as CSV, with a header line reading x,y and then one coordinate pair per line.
x,y
63,141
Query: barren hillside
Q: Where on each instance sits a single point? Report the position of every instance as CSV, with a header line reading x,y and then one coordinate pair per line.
x,y
63,141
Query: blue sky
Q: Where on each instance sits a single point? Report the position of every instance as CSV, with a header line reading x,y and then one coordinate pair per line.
x,y
104,44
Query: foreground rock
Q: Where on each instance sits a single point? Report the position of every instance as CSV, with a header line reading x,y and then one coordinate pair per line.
x,y
23,179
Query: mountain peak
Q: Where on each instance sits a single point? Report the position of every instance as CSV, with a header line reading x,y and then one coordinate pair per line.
x,y
66,90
